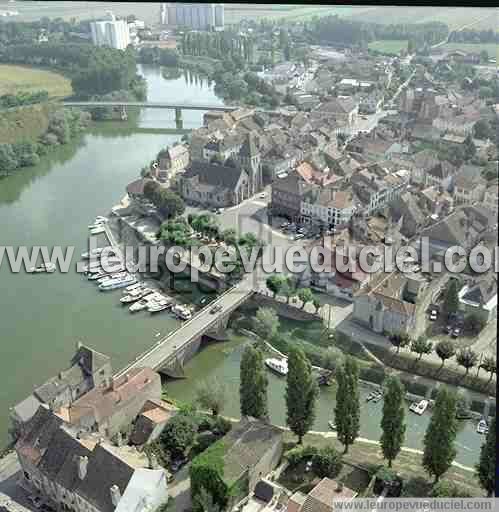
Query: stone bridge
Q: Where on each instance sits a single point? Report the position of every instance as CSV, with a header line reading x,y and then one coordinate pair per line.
x,y
169,354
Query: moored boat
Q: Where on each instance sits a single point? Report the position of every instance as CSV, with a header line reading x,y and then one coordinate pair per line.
x,y
159,304
114,275
97,230
279,366
97,252
139,305
120,282
181,312
482,427
136,294
419,407
43,267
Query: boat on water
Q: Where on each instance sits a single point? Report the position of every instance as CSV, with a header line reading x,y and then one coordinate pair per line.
x,y
100,218
44,267
136,294
97,230
159,304
181,312
132,287
120,282
279,366
140,304
100,270
332,425
374,396
97,252
111,264
482,427
419,407
114,275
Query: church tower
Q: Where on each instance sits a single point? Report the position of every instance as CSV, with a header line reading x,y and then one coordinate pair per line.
x,y
249,159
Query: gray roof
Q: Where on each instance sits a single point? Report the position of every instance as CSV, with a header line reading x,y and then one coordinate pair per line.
x,y
249,148
89,360
214,174
26,409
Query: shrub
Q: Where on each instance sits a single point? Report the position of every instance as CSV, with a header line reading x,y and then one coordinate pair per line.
x,y
327,462
370,374
299,454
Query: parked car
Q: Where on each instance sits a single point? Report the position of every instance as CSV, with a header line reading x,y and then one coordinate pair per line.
x,y
263,195
216,308
284,225
178,463
308,466
169,477
299,236
433,315
456,332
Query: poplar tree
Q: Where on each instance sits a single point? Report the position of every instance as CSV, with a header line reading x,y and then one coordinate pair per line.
x,y
439,449
253,385
347,410
393,420
486,468
301,394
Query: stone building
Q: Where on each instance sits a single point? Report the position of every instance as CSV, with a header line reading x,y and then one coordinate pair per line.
x,y
82,473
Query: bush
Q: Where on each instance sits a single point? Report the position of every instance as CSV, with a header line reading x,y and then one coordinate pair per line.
x,y
178,434
299,454
370,374
416,388
445,489
327,462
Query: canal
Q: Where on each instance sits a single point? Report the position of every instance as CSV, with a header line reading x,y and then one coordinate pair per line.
x,y
44,316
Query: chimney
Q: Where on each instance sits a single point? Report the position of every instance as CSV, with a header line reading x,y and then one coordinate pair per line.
x,y
82,467
115,494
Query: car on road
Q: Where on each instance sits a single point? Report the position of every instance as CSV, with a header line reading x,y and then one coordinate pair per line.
x,y
218,211
284,225
263,195
216,308
363,117
433,315
299,236
308,467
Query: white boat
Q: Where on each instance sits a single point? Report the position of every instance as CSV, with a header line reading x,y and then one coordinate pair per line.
x,y
100,218
93,276
114,284
97,230
97,252
279,366
96,224
114,275
139,305
419,407
159,304
181,312
100,270
111,264
132,287
135,295
332,425
49,267
482,427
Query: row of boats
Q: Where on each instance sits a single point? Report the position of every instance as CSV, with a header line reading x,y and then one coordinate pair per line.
x,y
98,226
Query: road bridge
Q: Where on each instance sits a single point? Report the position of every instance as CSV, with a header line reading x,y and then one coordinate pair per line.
x,y
169,354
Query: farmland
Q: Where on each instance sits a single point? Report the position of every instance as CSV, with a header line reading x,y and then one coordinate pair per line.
x,y
392,47
14,79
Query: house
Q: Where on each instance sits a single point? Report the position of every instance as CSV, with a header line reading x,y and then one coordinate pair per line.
x,y
491,197
155,414
109,409
327,206
468,189
343,109
89,370
383,307
479,297
287,193
464,227
322,498
171,161
83,473
214,184
436,201
406,210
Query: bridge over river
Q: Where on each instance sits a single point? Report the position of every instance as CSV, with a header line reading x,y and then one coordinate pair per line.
x,y
168,355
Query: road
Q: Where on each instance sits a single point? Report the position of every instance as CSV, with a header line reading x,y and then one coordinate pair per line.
x,y
146,104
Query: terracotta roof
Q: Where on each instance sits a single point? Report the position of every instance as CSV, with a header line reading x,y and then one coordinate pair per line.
x,y
322,497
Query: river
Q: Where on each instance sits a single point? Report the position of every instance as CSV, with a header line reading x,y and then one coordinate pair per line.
x,y
43,316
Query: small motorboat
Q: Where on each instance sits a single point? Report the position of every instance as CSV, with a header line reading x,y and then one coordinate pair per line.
x,y
182,312
374,396
120,282
132,287
97,252
419,407
159,304
135,295
97,230
139,305
482,427
44,267
279,366
332,425
115,275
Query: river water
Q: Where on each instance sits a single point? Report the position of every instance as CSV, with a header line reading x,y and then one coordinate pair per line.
x,y
43,316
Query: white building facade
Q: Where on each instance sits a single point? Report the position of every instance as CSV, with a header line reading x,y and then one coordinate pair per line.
x,y
110,32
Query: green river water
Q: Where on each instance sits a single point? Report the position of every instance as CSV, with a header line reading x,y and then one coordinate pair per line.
x,y
43,316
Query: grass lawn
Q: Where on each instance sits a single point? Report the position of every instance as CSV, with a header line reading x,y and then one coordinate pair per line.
x,y
14,79
492,49
407,464
389,46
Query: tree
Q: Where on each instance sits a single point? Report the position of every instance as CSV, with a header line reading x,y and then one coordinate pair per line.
x,y
421,346
392,422
446,489
451,300
317,304
327,463
204,501
305,295
475,323
178,434
482,130
347,410
229,236
445,350
253,386
439,449
151,188
275,283
400,340
486,467
266,323
301,393
211,395
489,365
467,358
289,288
8,161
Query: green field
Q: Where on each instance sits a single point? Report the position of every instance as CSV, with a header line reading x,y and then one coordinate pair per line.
x,y
389,46
14,79
492,49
